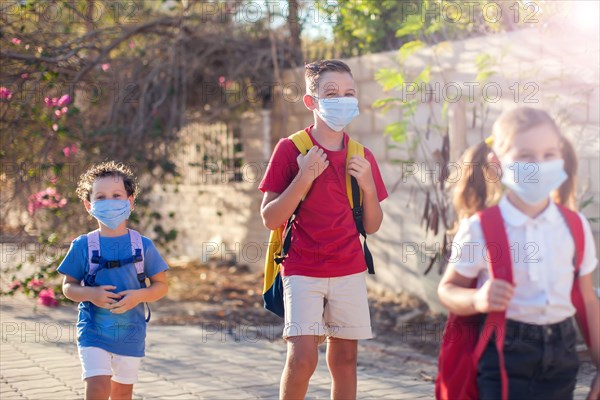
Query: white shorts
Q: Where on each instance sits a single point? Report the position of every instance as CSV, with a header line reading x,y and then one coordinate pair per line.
x,y
96,361
335,307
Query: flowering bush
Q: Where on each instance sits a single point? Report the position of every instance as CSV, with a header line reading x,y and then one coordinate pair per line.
x,y
47,198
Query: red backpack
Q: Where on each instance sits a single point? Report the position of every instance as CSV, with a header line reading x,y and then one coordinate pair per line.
x,y
462,345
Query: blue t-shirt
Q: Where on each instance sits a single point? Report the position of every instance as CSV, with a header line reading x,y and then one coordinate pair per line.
x,y
125,333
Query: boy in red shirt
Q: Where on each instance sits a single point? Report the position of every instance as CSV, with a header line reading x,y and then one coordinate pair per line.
x,y
325,292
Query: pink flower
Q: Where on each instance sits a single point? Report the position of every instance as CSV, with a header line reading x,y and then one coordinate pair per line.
x,y
55,127
64,100
64,110
26,47
57,113
16,41
5,93
105,67
15,285
24,76
47,298
132,44
35,283
221,81
47,198
70,150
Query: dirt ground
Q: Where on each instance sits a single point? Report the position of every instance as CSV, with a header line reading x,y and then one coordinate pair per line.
x,y
218,293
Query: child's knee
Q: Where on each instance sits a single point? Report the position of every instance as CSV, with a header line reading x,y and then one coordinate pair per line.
x,y
97,387
302,363
120,391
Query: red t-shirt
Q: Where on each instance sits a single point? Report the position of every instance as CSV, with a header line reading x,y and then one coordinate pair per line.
x,y
325,242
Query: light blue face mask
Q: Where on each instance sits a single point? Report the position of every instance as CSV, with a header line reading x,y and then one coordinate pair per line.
x,y
337,112
533,182
111,212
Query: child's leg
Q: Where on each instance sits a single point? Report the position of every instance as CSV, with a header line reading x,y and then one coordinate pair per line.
x,y
341,360
347,318
95,363
304,330
300,364
125,375
97,387
120,391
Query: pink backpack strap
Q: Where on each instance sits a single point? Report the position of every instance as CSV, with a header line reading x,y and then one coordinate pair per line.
x,y
576,227
93,239
498,253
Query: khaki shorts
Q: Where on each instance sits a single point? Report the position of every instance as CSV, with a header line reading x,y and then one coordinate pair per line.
x,y
334,307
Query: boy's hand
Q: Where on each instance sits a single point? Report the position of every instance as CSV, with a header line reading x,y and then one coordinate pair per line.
x,y
494,295
131,298
102,296
313,163
360,168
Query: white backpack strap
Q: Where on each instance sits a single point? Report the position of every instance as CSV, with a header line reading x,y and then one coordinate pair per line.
x,y
93,239
136,244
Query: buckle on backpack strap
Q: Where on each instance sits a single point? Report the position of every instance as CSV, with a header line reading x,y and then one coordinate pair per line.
x,y
138,256
90,280
357,212
113,264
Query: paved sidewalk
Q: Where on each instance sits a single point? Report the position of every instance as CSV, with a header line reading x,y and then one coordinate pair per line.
x,y
38,360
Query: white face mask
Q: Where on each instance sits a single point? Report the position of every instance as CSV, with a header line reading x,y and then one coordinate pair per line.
x,y
337,112
533,182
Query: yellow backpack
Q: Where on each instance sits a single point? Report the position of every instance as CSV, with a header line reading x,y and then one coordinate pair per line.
x,y
281,238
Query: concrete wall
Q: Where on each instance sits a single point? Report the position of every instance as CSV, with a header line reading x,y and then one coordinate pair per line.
x,y
216,218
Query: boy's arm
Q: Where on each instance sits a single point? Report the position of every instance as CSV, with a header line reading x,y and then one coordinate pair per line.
x,y
372,212
98,295
276,208
158,288
360,168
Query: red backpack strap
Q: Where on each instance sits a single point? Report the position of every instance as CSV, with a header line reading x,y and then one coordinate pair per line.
x,y
576,227
498,255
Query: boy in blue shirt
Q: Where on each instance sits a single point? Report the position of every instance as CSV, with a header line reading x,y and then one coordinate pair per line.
x,y
111,327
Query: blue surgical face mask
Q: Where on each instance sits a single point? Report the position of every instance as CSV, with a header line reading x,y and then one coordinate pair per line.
x,y
337,112
111,212
533,182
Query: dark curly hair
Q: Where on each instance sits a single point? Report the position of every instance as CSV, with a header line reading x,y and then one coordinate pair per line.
x,y
108,168
314,70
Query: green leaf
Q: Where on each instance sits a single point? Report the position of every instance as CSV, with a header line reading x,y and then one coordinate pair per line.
x,y
409,48
397,131
385,102
483,76
412,26
389,78
425,75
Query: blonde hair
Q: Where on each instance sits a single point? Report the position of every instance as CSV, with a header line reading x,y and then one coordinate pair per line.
x,y
475,191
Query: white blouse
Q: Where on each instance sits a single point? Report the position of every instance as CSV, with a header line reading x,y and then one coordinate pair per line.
x,y
542,251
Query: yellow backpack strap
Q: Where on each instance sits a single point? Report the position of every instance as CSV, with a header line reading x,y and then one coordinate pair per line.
x,y
354,148
355,195
302,141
